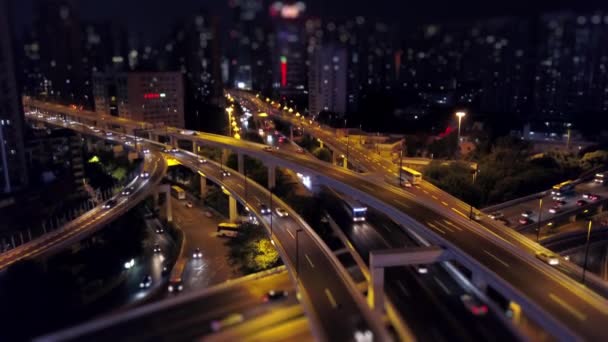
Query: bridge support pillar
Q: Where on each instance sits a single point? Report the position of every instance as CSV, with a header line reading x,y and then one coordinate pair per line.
x,y
224,156
153,136
334,159
194,148
166,190
203,186
291,133
479,282
572,218
378,260
172,141
240,158
345,163
233,214
272,180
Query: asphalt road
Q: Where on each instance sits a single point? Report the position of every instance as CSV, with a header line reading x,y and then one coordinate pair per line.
x,y
189,320
488,243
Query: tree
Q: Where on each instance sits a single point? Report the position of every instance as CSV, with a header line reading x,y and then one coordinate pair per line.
x,y
593,159
252,250
322,154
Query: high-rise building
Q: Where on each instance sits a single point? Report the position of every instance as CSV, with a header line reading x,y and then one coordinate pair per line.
x,y
13,173
327,79
154,97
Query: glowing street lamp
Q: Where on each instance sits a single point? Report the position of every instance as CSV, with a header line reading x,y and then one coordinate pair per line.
x,y
460,115
229,111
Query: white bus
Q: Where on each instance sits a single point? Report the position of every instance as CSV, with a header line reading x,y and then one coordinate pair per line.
x,y
355,209
178,192
410,175
228,229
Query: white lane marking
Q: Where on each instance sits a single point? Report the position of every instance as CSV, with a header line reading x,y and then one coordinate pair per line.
x,y
436,228
496,258
581,316
442,285
309,261
290,233
444,226
332,301
452,224
387,228
460,213
445,203
434,197
403,289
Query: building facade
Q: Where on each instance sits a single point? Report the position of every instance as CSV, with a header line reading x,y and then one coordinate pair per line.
x,y
327,80
154,97
13,175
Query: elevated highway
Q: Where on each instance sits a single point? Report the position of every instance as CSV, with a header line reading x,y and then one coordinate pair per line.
x,y
496,257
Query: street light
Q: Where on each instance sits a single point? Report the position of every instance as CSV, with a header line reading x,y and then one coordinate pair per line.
x,y
586,250
460,115
229,111
540,211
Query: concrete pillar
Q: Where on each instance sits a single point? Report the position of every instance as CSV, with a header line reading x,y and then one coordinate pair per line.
x,y
203,186
241,163
224,156
172,141
233,214
291,133
334,160
375,290
272,180
572,218
194,147
152,136
345,163
321,143
479,282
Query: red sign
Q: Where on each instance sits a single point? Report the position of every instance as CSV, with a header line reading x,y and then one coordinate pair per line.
x,y
151,96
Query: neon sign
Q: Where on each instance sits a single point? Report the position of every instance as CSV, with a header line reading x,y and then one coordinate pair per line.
x,y
149,96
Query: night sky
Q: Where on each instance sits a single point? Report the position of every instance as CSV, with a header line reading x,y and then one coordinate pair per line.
x,y
154,18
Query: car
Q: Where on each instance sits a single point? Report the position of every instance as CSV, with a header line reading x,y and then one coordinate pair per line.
x,y
159,230
157,249
146,282
145,175
407,184
175,286
188,204
555,209
594,197
108,134
109,204
202,161
560,203
225,173
548,257
581,203
96,130
558,197
264,210
496,215
123,137
227,321
127,191
268,149
478,216
197,254
526,213
138,139
473,305
300,150
174,150
273,295
281,212
146,151
524,220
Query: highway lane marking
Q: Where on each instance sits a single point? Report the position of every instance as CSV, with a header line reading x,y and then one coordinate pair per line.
x,y
387,228
442,285
435,227
426,192
290,233
434,197
403,288
496,258
445,203
444,226
460,212
332,301
449,223
309,261
398,202
581,316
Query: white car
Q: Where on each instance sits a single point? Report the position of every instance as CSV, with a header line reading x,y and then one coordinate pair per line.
x,y
202,161
146,282
496,215
197,254
549,258
281,212
109,204
146,151
145,174
225,173
422,269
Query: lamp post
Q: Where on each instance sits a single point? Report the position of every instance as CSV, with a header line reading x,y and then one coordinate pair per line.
x,y
586,250
229,111
540,211
460,115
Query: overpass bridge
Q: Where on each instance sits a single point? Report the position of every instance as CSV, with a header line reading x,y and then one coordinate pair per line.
x,y
93,220
491,254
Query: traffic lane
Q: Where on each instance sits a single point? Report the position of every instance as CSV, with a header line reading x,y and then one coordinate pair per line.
x,y
201,232
327,294
559,300
198,314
